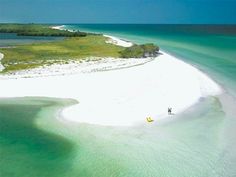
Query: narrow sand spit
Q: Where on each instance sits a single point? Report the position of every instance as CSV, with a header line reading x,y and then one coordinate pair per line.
x,y
111,39
117,41
61,27
121,97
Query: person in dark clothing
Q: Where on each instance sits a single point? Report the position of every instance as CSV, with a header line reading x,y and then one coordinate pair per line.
x,y
169,111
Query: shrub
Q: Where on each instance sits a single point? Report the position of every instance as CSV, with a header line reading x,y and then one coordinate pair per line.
x,y
140,51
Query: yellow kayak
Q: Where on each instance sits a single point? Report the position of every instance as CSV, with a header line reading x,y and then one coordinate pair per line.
x,y
149,119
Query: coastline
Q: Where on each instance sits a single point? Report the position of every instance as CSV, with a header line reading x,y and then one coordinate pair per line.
x,y
111,39
87,116
178,94
121,97
116,41
61,27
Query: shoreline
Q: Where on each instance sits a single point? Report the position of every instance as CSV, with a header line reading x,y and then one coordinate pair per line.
x,y
62,27
119,97
111,39
116,41
180,101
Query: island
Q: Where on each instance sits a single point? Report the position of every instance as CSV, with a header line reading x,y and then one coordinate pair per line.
x,y
117,88
75,46
113,82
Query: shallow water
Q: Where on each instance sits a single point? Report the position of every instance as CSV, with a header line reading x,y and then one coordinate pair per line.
x,y
11,39
34,143
200,142
27,150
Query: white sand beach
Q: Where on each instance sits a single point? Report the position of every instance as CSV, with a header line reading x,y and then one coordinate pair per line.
x,y
117,41
60,27
111,39
121,97
87,65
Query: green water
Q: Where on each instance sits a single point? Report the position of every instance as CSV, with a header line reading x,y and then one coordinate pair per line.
x,y
25,149
11,39
201,142
35,143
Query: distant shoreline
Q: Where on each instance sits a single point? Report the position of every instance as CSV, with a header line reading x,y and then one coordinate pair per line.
x,y
38,30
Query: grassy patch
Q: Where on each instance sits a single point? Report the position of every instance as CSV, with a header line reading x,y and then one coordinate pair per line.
x,y
37,30
139,51
76,48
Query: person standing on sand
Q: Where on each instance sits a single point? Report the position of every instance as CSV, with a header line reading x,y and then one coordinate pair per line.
x,y
169,111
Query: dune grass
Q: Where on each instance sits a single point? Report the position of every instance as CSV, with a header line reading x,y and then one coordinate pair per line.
x,y
33,55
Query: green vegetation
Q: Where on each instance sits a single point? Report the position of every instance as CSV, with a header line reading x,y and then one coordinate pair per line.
x,y
78,46
139,51
37,30
38,54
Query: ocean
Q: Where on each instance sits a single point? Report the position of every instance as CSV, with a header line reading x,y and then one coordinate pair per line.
x,y
200,142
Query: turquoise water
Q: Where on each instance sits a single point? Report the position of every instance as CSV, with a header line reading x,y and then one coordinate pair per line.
x,y
25,149
201,142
